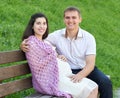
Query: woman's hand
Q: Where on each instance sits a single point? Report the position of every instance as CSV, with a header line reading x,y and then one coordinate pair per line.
x,y
62,57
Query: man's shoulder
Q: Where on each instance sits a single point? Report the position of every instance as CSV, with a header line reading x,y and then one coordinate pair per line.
x,y
56,34
86,33
59,31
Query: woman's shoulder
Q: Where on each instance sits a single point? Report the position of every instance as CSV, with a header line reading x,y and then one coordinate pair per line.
x,y
31,39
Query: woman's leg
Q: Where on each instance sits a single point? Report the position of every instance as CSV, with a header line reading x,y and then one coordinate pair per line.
x,y
94,93
104,83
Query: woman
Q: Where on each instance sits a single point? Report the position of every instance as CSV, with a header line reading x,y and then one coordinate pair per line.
x,y
50,75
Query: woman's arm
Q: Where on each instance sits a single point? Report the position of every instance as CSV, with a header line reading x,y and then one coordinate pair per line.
x,y
36,55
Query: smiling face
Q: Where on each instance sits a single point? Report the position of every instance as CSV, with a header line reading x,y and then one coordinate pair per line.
x,y
40,27
72,20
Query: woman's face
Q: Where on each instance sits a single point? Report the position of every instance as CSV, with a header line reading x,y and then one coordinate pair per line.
x,y
40,27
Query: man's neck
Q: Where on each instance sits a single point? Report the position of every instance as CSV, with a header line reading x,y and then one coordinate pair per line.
x,y
71,33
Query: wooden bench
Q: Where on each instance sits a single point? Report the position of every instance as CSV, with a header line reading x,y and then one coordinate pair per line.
x,y
13,65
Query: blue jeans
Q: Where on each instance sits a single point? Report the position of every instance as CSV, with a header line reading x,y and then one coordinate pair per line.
x,y
104,83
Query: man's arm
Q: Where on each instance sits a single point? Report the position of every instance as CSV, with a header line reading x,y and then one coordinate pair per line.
x,y
90,63
24,46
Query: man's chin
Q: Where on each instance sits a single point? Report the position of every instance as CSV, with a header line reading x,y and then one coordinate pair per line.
x,y
70,27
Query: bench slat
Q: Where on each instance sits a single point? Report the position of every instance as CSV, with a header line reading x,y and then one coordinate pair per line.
x,y
39,95
12,71
15,86
11,56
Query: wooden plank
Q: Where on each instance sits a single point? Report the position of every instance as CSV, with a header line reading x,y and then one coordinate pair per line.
x,y
12,71
15,86
39,95
11,56
3,96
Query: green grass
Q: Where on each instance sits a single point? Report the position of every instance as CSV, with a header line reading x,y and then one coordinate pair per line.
x,y
100,18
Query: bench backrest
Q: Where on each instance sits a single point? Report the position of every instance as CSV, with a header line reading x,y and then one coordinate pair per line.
x,y
11,77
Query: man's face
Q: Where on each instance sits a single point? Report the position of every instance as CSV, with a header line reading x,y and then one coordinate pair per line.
x,y
72,20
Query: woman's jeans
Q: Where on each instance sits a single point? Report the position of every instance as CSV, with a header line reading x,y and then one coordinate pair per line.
x,y
104,83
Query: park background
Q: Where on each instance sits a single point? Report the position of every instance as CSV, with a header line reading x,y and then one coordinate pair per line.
x,y
99,17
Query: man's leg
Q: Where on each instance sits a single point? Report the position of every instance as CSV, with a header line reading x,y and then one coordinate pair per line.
x,y
104,83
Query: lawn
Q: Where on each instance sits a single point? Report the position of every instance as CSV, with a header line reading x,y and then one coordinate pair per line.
x,y
99,17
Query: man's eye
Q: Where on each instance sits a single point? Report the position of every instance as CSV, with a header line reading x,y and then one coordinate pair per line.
x,y
73,17
44,23
67,17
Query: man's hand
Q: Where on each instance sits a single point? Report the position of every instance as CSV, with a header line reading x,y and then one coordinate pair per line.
x,y
76,78
24,46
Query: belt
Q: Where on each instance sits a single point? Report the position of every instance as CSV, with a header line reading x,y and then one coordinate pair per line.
x,y
76,69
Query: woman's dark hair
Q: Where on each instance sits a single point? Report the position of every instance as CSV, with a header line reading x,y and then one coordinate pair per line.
x,y
29,31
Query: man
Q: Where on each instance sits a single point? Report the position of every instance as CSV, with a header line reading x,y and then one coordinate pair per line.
x,y
79,48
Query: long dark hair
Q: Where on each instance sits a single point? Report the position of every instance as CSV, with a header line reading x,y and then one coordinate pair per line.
x,y
29,31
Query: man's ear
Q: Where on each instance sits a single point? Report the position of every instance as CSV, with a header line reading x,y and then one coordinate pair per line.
x,y
80,20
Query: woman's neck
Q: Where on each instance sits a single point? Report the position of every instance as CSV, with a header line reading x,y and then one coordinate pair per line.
x,y
39,37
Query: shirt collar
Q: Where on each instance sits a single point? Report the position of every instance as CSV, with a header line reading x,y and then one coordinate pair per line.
x,y
79,35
